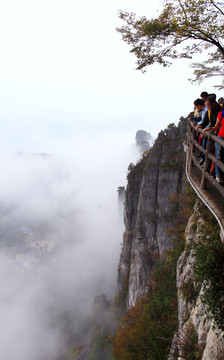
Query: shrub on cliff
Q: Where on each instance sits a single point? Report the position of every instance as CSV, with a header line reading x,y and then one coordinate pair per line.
x,y
209,268
146,331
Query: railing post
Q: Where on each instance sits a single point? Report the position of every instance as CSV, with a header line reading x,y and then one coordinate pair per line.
x,y
207,163
191,147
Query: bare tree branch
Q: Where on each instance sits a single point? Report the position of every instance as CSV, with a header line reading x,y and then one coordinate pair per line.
x,y
217,7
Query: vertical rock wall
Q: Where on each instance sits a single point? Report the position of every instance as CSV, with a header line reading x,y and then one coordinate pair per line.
x,y
149,211
209,341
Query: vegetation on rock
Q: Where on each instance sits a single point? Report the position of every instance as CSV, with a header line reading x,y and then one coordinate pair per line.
x,y
147,329
209,268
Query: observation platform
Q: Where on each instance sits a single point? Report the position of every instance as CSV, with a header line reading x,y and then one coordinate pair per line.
x,y
207,188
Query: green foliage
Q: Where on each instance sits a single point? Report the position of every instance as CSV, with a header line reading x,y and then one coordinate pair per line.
x,y
131,167
174,164
147,329
189,344
209,268
183,28
138,168
190,291
209,68
120,298
171,126
98,349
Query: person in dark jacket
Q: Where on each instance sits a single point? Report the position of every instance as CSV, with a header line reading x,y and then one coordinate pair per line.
x,y
204,95
219,150
209,119
211,115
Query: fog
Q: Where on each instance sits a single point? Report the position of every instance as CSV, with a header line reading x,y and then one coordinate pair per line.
x,y
60,233
71,103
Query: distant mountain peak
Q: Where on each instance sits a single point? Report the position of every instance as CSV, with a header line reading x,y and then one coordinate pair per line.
x,y
143,140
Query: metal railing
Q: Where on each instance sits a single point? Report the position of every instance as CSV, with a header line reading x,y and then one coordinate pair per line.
x,y
193,146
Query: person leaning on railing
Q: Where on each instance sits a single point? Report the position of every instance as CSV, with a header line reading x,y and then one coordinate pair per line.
x,y
210,119
221,102
201,110
211,115
219,150
204,95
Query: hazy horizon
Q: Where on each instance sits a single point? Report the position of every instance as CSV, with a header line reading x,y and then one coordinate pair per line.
x,y
65,70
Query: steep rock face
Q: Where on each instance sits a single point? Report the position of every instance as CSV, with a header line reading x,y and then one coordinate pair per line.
x,y
191,313
149,211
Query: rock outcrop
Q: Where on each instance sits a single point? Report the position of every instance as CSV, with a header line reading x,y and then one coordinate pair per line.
x,y
143,140
149,211
209,343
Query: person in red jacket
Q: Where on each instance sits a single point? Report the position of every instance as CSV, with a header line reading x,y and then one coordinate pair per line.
x,y
219,150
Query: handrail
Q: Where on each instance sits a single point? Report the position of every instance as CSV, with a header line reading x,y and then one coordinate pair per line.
x,y
209,157
203,175
203,200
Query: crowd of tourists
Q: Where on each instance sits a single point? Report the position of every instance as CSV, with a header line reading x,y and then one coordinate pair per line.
x,y
209,116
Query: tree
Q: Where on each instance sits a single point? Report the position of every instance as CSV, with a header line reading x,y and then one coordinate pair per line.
x,y
183,28
146,331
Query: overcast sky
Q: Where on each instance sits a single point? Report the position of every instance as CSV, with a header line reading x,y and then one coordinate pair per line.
x,y
64,70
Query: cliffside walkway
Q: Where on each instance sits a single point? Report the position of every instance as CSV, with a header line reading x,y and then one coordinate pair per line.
x,y
208,189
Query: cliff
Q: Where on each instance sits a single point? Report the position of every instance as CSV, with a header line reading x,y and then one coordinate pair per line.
x,y
170,286
150,211
200,304
171,270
